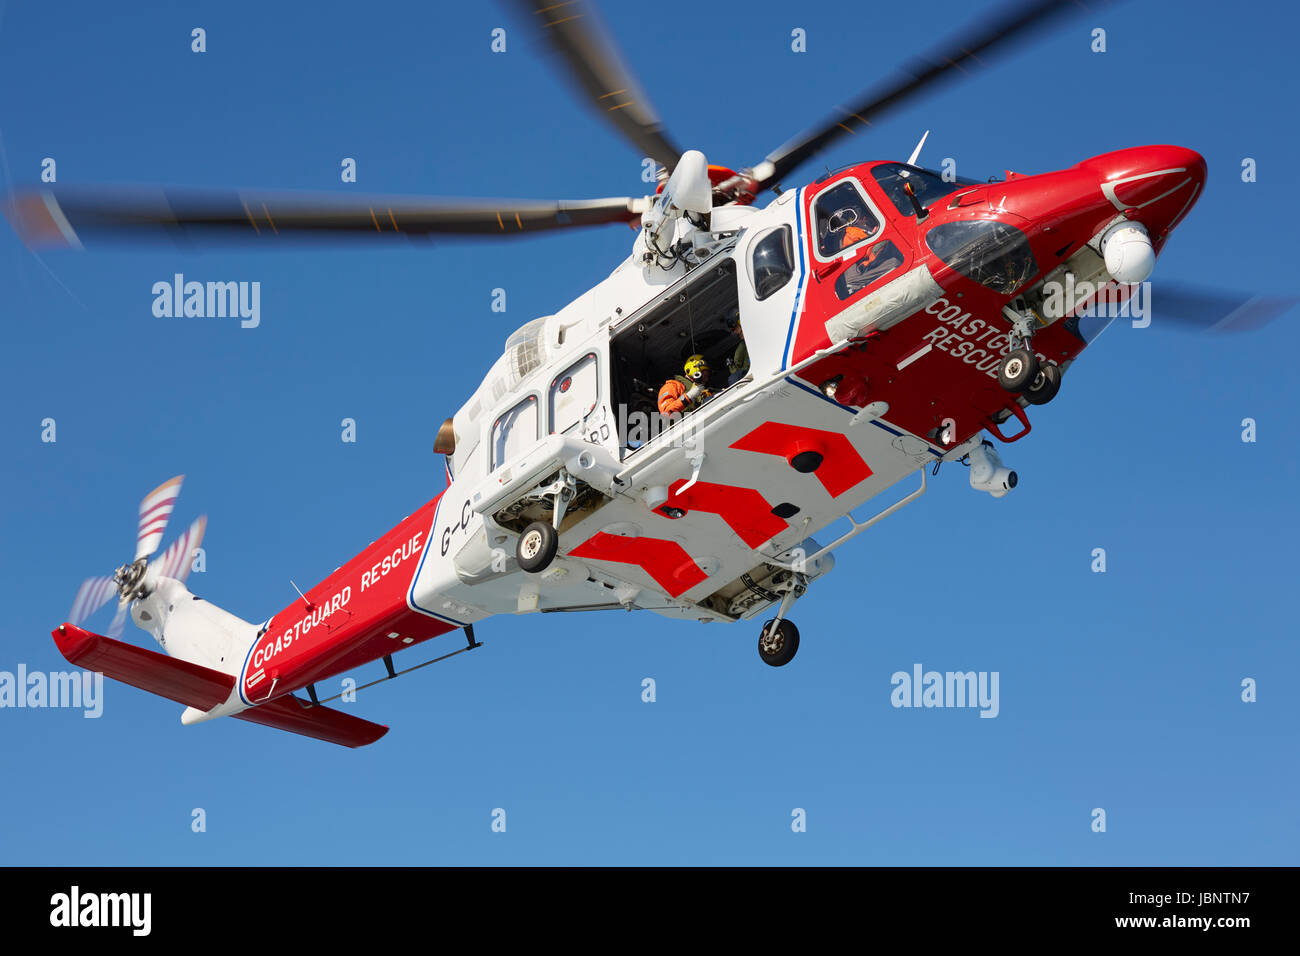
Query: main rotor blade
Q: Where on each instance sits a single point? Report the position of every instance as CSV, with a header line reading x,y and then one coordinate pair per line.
x,y
1196,308
48,218
573,30
963,52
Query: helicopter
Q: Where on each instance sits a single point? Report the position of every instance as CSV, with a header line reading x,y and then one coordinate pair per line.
x,y
855,332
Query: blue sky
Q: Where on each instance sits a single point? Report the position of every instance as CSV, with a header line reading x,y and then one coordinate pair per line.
x,y
1118,690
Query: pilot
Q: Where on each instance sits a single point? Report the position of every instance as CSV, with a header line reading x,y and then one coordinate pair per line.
x,y
856,231
681,394
861,225
738,363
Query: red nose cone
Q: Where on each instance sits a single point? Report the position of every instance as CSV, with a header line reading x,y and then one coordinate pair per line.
x,y
1155,185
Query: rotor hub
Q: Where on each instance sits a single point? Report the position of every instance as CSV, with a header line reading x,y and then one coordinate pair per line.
x,y
130,579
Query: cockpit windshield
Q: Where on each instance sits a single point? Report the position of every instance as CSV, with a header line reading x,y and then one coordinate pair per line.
x,y
927,186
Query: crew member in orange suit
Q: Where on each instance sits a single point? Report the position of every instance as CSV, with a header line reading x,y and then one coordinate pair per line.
x,y
681,394
854,234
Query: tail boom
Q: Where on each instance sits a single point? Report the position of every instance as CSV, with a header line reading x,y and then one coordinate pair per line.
x,y
360,613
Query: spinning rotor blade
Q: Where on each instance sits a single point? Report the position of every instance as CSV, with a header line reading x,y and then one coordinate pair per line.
x,y
573,30
1215,310
177,560
93,594
42,217
155,511
118,623
964,52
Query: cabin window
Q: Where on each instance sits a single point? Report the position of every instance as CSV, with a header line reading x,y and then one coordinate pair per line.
x,y
574,394
526,349
843,219
771,264
515,431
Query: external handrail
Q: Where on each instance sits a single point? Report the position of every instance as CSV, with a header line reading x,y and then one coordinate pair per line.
x,y
858,528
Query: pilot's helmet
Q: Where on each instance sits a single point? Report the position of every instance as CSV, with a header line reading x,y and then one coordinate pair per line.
x,y
697,368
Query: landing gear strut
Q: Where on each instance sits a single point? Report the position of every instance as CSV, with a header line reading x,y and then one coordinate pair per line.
x,y
779,639
536,547
1019,369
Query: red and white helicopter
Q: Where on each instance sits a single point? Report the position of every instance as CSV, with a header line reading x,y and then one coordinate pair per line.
x,y
892,318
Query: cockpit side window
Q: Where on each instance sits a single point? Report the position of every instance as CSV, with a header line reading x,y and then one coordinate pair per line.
x,y
515,431
771,263
843,219
880,260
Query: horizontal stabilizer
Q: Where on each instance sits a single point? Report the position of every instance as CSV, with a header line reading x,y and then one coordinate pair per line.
x,y
168,677
311,720
203,688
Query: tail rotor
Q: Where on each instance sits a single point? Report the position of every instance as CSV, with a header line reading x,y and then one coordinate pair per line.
x,y
137,580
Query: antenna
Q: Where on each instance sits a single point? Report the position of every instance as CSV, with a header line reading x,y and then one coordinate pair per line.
x,y
310,606
911,160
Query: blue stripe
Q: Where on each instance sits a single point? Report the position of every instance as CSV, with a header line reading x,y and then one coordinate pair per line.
x,y
410,594
252,647
798,294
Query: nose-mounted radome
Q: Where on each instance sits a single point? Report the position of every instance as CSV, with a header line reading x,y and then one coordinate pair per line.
x,y
1152,185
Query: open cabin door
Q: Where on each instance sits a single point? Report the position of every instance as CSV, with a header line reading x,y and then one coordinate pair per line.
x,y
649,348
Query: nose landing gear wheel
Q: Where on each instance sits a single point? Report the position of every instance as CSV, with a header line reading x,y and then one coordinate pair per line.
x,y
1018,370
536,547
777,645
1045,386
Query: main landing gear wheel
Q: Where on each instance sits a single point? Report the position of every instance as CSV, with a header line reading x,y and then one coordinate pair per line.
x,y
1018,370
536,547
777,645
1045,386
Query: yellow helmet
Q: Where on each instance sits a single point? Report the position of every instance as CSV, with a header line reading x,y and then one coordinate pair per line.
x,y
696,367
